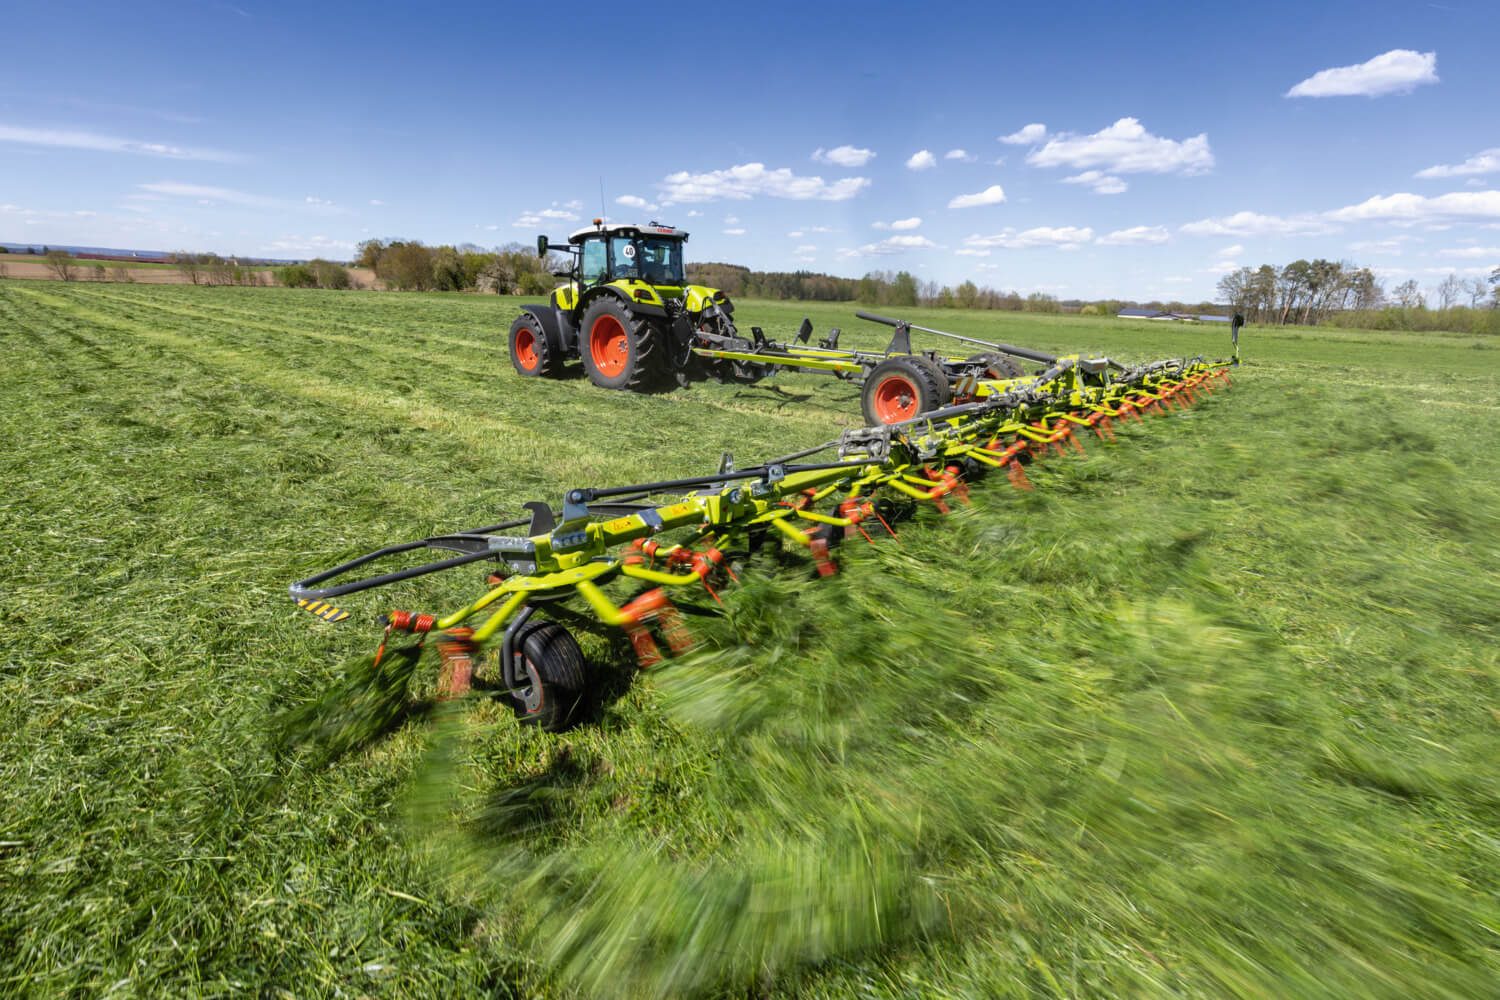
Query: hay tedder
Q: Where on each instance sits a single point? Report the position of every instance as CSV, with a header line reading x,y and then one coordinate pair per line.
x,y
631,316
616,556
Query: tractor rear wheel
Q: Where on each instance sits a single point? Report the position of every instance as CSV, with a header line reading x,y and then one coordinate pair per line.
x,y
552,682
620,350
898,389
529,352
999,366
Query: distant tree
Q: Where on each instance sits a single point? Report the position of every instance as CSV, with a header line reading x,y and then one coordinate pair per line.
x,y
447,270
99,273
1041,302
1449,290
407,266
60,264
327,274
1408,294
189,265
967,295
4,271
903,289
296,276
367,253
1476,289
121,274
218,270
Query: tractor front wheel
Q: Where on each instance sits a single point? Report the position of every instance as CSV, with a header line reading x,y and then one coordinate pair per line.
x,y
529,352
620,350
898,389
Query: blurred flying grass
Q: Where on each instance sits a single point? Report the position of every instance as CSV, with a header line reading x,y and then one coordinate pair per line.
x,y
1211,713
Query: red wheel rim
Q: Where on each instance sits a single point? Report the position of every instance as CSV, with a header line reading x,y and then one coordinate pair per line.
x,y
526,355
609,346
896,399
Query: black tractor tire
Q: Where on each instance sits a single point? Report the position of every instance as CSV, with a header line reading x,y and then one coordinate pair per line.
x,y
530,354
899,388
620,350
940,382
552,679
999,366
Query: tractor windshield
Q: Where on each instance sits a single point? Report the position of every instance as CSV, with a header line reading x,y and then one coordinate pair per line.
x,y
656,261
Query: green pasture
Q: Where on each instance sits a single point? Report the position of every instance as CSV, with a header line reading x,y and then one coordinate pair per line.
x,y
1213,712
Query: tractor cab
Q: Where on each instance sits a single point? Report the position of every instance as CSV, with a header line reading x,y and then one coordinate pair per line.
x,y
652,254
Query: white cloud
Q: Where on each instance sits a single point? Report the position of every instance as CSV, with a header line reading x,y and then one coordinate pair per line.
x,y
1416,208
1102,183
1061,237
376,202
635,201
1231,251
693,213
731,220
207,194
1251,224
896,244
970,252
1390,246
318,202
309,245
1223,267
796,234
1493,252
557,213
1136,235
1125,147
106,144
900,225
843,156
734,232
575,205
992,195
1486,162
960,154
1395,72
750,179
1030,135
805,250
921,160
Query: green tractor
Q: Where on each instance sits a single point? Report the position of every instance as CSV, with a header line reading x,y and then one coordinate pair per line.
x,y
629,314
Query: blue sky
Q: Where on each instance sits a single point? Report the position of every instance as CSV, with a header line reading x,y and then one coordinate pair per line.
x,y
1082,149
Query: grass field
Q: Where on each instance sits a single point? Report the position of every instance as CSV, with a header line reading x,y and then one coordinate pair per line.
x,y
1214,712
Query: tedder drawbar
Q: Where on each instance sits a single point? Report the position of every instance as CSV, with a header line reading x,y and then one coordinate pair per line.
x,y
628,311
616,554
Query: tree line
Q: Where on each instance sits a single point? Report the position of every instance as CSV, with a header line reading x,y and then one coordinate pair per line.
x,y
1344,294
410,265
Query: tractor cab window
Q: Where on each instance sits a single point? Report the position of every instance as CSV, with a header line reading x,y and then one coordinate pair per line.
x,y
660,261
623,255
593,259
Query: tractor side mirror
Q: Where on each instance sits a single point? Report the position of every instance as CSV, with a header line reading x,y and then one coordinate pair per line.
x,y
541,246
561,273
804,331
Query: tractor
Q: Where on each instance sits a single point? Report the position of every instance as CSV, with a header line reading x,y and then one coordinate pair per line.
x,y
628,313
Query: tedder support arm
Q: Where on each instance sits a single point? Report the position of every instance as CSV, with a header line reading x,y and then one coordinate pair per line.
x,y
1020,352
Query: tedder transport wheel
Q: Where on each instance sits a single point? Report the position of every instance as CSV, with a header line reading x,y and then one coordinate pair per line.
x,y
1000,365
553,681
898,389
940,383
619,350
528,350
